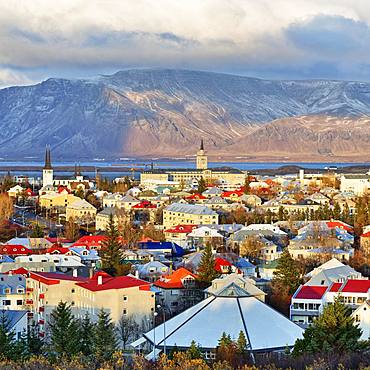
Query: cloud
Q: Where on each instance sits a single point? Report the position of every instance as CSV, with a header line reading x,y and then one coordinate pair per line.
x,y
9,77
265,38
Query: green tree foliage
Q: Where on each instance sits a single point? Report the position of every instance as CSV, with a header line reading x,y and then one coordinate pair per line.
x,y
87,336
287,273
35,344
111,251
202,186
242,343
332,332
194,351
64,331
7,337
37,231
105,337
337,212
206,269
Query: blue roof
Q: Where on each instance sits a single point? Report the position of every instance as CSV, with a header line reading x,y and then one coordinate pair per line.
x,y
14,316
243,263
5,259
174,248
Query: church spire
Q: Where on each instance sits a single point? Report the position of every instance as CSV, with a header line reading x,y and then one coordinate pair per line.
x,y
201,144
47,165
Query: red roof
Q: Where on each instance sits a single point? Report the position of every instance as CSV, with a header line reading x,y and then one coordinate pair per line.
x,y
174,280
18,271
356,286
144,205
196,196
14,250
181,229
52,278
58,240
311,292
335,287
62,188
228,194
220,262
57,250
340,224
366,235
89,241
109,282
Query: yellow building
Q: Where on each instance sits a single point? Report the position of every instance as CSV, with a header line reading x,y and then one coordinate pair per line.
x,y
119,296
80,210
58,200
188,214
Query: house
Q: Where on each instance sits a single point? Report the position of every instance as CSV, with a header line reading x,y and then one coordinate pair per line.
x,y
90,242
102,218
123,295
152,270
179,234
247,268
35,244
15,191
356,183
266,330
57,200
203,235
308,301
224,266
216,203
12,291
177,214
212,192
362,319
81,210
62,262
178,290
18,322
251,200
14,250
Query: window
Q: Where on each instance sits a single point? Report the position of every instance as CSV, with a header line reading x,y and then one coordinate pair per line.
x,y
124,311
19,302
7,290
6,302
125,298
72,290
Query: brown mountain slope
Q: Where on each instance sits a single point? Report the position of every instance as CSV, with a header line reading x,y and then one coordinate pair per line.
x,y
307,138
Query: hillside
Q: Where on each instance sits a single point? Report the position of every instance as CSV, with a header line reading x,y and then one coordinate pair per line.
x,y
166,112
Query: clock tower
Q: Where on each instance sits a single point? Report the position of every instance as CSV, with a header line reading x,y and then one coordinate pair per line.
x,y
202,161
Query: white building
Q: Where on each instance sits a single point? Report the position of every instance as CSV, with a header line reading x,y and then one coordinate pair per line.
x,y
355,183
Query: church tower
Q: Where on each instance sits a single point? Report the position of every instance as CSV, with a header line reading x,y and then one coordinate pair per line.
x,y
47,172
202,161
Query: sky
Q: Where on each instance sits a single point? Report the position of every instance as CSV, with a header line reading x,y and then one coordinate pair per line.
x,y
273,39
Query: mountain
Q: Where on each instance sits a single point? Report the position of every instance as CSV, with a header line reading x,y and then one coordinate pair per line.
x,y
166,112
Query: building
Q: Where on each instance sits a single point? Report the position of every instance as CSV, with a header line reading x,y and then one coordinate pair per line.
x,y
362,319
188,214
356,183
223,178
57,200
178,290
229,310
81,210
18,322
123,295
47,172
12,292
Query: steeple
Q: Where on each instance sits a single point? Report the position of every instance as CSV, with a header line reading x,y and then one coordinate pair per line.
x,y
202,161
47,165
201,144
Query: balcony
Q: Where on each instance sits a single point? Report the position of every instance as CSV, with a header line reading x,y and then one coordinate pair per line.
x,y
29,301
41,322
41,296
41,309
29,290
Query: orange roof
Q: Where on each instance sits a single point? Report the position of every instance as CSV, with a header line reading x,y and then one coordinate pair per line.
x,y
182,229
196,196
228,194
174,280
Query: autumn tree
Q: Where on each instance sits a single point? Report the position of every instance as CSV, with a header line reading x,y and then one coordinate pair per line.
x,y
202,186
251,247
72,230
6,207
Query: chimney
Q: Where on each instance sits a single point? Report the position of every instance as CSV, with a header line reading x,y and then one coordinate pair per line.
x,y
75,272
100,280
151,258
137,274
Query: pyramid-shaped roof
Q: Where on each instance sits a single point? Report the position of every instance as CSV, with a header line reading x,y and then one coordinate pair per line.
x,y
265,328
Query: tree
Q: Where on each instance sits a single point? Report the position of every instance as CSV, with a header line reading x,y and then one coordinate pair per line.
x,y
247,187
336,211
87,336
64,331
287,273
242,343
332,332
194,351
111,251
251,247
206,269
127,329
7,336
35,344
105,337
6,207
72,230
202,186
38,231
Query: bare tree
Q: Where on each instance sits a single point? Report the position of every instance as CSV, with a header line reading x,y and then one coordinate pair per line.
x,y
251,246
127,329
